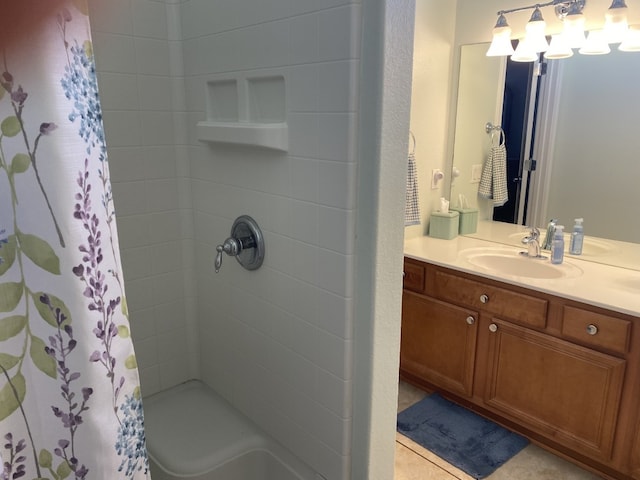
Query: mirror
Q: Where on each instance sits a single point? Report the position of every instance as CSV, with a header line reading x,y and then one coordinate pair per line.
x,y
584,139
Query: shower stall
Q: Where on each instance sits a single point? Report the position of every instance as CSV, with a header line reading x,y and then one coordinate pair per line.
x,y
217,109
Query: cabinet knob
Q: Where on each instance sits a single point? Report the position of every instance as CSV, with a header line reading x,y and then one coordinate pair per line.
x,y
493,328
484,298
592,329
471,320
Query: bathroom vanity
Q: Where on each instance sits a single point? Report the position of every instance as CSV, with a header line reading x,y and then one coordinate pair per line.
x,y
555,358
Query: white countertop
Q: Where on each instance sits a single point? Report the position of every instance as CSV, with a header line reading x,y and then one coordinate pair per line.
x,y
606,286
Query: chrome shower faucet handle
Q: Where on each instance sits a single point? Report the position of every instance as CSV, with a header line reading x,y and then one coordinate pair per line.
x,y
246,243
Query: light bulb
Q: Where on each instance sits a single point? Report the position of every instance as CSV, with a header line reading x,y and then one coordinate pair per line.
x,y
535,36
573,30
559,48
524,52
596,44
631,41
501,43
615,26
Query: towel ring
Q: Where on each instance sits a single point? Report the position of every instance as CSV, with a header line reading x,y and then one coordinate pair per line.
x,y
413,142
499,133
493,129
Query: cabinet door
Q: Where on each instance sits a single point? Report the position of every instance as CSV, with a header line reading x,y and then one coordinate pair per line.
x,y
635,457
438,342
564,391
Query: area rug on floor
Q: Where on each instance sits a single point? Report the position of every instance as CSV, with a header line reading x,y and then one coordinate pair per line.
x,y
470,442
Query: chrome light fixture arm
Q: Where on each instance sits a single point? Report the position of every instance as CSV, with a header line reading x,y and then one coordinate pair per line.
x,y
562,7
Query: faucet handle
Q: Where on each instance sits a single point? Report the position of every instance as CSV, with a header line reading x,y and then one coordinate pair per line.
x,y
246,243
533,235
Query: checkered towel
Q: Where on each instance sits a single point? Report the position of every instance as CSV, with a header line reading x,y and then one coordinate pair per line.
x,y
412,208
493,181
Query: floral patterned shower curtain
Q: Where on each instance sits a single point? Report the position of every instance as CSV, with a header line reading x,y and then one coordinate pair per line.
x,y
70,402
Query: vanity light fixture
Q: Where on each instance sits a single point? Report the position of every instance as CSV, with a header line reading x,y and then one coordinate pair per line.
x,y
615,30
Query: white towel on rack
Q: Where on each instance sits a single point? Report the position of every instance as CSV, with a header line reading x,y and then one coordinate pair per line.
x,y
412,207
493,180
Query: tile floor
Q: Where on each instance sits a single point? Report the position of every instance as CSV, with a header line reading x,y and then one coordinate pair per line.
x,y
414,462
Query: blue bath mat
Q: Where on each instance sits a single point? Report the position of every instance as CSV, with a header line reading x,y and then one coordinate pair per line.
x,y
470,442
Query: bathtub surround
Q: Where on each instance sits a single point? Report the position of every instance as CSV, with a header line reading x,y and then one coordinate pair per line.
x,y
296,344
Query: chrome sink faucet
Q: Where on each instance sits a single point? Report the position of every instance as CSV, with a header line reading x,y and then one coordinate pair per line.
x,y
532,241
551,230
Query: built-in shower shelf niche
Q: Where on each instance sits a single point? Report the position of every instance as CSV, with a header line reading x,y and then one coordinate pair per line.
x,y
246,111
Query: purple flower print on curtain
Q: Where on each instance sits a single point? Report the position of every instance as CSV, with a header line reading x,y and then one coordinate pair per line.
x,y
70,400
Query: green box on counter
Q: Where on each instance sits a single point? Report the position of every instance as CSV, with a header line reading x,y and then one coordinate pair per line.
x,y
468,220
444,225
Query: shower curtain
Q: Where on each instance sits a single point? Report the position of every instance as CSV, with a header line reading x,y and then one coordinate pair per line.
x,y
70,401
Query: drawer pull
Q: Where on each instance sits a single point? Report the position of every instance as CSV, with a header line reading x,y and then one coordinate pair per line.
x,y
484,298
471,320
592,329
493,328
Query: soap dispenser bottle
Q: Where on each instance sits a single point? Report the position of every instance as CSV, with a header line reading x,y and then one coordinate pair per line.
x,y
557,245
577,237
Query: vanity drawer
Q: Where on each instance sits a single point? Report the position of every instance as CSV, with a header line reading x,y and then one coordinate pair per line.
x,y
499,301
414,274
596,329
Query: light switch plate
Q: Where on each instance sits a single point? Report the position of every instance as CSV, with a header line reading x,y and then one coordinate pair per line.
x,y
476,173
437,175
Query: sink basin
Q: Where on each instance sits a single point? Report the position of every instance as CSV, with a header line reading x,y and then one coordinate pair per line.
x,y
591,247
511,263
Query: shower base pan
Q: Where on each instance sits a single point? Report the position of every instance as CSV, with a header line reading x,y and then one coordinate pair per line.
x,y
193,433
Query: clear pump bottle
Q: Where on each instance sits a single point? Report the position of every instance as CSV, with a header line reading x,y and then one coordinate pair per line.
x,y
557,245
577,238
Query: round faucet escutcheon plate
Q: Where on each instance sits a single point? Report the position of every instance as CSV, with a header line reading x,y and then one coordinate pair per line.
x,y
247,230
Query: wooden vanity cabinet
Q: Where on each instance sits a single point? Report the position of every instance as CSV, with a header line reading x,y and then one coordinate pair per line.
x,y
560,372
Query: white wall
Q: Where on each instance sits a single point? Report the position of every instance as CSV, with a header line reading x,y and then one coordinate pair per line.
x,y
139,98
384,122
278,342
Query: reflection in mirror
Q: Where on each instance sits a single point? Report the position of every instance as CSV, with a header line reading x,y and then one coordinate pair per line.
x,y
585,142
480,89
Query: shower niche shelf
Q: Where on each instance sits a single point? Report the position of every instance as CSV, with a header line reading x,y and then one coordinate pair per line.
x,y
246,111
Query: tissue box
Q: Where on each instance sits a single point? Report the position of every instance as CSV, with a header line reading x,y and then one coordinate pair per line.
x,y
444,225
468,220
